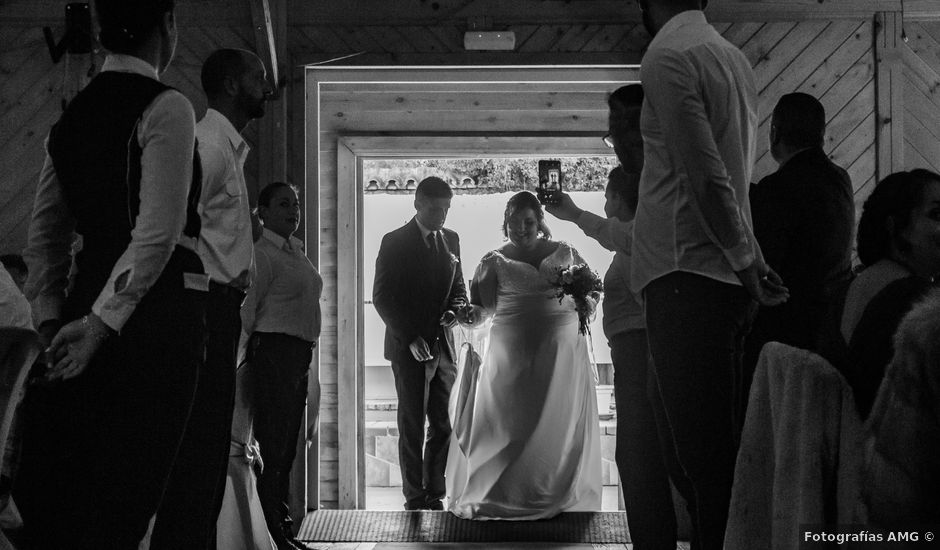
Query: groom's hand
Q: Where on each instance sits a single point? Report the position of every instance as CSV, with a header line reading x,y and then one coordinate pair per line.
x,y
449,319
469,315
419,350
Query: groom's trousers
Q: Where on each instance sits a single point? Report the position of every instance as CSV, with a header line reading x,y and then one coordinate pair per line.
x,y
423,392
696,329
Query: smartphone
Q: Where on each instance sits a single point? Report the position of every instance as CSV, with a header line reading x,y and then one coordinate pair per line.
x,y
550,181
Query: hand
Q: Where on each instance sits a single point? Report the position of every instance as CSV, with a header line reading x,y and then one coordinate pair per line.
x,y
763,284
419,350
565,208
470,315
47,331
74,346
449,319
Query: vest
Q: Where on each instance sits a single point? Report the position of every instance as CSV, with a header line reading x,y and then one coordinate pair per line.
x,y
97,160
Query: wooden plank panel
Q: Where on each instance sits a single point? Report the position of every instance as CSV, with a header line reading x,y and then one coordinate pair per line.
x,y
740,33
846,88
607,38
371,102
764,41
806,63
862,173
852,61
918,76
446,88
855,145
542,39
920,139
914,159
451,38
844,124
42,97
888,80
924,45
378,38
779,58
923,109
576,38
485,121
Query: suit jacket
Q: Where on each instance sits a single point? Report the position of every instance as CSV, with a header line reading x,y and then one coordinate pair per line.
x,y
414,287
804,218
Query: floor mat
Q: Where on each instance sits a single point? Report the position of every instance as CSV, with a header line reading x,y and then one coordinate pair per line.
x,y
426,526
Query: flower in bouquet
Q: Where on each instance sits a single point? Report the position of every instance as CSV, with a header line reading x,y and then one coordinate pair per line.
x,y
584,286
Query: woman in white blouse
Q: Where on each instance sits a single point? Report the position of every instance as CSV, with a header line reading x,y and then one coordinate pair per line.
x,y
281,315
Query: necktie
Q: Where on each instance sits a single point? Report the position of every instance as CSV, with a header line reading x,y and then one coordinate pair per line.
x,y
432,242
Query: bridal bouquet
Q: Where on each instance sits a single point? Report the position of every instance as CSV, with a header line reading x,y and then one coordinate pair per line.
x,y
582,284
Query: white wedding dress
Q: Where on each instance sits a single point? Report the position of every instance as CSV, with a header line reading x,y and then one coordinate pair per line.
x,y
526,440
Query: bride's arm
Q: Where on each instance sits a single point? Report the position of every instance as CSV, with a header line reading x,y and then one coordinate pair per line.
x,y
482,292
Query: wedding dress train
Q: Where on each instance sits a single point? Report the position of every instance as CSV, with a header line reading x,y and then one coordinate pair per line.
x,y
526,440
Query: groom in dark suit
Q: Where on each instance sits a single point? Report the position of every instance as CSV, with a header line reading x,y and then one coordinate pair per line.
x,y
418,289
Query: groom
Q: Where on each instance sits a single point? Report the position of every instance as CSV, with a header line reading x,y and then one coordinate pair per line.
x,y
418,289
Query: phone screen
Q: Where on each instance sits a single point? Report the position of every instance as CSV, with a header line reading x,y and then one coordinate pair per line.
x,y
550,181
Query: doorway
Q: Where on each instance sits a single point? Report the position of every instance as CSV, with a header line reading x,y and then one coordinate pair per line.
x,y
363,114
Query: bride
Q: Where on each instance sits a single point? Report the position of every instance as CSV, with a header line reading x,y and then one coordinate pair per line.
x,y
526,439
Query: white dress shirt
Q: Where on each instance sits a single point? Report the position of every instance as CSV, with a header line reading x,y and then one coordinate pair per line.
x,y
699,123
14,308
165,135
285,295
225,242
622,310
425,232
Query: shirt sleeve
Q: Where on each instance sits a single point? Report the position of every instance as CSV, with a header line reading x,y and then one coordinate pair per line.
x,y
48,252
611,233
166,136
671,89
257,291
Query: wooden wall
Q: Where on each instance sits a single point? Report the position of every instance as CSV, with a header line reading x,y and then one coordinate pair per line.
x,y
32,89
922,95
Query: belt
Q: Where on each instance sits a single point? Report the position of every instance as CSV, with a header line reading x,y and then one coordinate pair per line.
x,y
226,290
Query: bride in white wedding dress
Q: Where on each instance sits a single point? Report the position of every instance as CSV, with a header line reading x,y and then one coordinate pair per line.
x,y
526,439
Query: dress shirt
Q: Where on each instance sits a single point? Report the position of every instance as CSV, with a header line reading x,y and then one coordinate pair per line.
x,y
225,241
14,308
165,134
285,295
699,122
425,232
622,310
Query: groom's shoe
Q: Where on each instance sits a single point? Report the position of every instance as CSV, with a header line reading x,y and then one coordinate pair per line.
x,y
435,504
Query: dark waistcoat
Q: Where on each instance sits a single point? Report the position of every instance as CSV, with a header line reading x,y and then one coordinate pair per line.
x,y
97,160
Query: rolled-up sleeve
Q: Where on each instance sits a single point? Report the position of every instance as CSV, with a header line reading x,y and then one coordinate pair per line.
x,y
167,137
672,91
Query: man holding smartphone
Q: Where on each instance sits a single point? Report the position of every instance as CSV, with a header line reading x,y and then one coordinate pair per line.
x,y
640,461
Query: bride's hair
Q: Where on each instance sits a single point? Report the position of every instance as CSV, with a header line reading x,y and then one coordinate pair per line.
x,y
521,201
